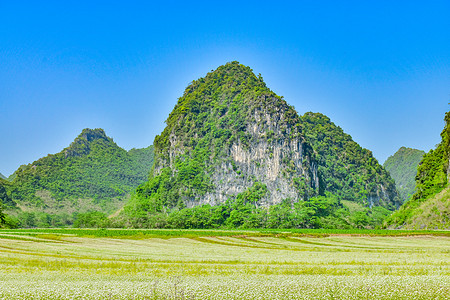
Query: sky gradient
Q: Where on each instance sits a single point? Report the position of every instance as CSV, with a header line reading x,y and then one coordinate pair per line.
x,y
378,69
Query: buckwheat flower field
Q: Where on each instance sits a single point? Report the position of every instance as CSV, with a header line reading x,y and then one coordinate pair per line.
x,y
69,264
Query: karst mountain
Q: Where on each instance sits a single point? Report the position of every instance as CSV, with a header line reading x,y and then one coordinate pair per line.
x,y
229,135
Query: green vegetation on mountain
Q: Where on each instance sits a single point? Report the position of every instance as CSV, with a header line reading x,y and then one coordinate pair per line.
x,y
93,166
92,174
318,212
142,160
402,166
429,206
13,175
236,155
345,169
5,202
2,216
5,197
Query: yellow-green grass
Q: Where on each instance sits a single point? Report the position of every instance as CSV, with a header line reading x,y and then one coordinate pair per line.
x,y
353,206
432,213
242,265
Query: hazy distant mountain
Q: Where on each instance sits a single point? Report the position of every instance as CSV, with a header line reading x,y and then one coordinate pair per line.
x,y
2,176
403,169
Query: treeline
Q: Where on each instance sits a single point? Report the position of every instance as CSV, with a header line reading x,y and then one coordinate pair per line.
x,y
243,212
318,212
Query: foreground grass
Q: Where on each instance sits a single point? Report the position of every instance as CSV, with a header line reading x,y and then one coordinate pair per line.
x,y
209,264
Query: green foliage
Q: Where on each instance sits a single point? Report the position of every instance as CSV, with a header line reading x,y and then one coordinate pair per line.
x,y
92,219
243,212
431,175
5,197
402,166
2,215
5,201
199,217
93,166
33,219
346,169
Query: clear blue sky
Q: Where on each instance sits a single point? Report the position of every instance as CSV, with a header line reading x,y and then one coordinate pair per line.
x,y
378,69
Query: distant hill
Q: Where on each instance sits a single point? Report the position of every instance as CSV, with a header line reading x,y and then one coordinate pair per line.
x,y
2,176
93,173
403,169
429,207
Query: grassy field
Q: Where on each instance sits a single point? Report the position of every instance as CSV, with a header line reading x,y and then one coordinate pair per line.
x,y
209,264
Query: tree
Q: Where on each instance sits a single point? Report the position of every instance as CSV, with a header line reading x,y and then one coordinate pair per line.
x,y
4,198
2,215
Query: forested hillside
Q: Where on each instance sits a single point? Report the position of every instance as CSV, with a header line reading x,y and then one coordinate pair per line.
x,y
402,166
345,168
429,207
235,154
92,174
5,202
5,198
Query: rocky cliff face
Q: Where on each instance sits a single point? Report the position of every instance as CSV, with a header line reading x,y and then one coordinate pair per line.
x,y
228,132
272,162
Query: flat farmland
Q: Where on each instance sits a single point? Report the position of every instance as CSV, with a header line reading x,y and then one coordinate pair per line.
x,y
190,264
